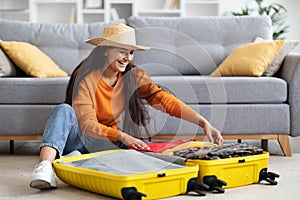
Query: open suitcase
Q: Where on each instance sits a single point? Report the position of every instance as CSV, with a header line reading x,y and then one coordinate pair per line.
x,y
120,174
234,172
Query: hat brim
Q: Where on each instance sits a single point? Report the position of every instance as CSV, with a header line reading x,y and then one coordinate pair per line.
x,y
106,42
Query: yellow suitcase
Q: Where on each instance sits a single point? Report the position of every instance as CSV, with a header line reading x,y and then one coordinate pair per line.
x,y
158,183
234,172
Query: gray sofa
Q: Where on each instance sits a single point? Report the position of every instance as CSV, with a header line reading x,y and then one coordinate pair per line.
x,y
184,52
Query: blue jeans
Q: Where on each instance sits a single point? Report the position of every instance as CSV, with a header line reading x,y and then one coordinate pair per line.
x,y
62,132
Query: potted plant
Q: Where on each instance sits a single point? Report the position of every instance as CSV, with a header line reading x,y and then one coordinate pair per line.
x,y
275,11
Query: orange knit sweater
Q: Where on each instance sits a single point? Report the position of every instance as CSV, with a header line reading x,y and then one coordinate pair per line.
x,y
99,107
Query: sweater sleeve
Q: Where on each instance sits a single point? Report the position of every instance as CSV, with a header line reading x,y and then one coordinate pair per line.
x,y
84,107
163,100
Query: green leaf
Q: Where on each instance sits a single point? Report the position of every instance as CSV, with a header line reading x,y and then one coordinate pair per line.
x,y
275,11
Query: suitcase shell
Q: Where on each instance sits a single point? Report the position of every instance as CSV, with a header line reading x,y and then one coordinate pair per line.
x,y
158,184
235,172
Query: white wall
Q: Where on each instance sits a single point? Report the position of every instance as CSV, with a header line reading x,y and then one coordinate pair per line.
x,y
293,18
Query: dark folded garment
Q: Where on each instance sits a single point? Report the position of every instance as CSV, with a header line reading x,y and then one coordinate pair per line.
x,y
229,150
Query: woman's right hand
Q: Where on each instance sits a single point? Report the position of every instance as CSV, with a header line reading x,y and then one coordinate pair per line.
x,y
130,141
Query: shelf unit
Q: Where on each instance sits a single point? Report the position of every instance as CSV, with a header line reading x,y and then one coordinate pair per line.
x,y
74,11
201,8
91,14
124,8
157,8
42,10
110,10
185,8
14,9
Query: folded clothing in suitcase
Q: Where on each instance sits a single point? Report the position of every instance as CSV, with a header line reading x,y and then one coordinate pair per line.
x,y
127,174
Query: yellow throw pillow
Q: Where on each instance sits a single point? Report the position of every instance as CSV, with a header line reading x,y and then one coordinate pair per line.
x,y
249,60
32,60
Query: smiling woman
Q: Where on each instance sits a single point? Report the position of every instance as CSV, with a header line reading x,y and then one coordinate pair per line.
x,y
103,87
117,60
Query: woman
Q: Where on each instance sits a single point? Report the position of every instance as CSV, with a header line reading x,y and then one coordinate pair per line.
x,y
100,89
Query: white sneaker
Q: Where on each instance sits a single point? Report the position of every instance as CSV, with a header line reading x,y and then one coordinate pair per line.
x,y
43,176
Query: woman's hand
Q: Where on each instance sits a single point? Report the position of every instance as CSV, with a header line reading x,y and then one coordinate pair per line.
x,y
213,134
131,141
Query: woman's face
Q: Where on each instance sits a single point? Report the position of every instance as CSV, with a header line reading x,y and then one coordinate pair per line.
x,y
118,58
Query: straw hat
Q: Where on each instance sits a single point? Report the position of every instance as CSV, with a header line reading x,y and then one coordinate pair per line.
x,y
117,35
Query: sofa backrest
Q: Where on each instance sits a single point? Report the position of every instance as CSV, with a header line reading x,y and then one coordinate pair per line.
x,y
64,43
193,45
188,46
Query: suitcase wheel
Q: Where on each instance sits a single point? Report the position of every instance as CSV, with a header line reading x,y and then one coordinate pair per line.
x,y
268,176
214,183
199,188
131,193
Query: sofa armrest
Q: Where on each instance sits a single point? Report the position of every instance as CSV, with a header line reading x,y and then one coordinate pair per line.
x,y
290,72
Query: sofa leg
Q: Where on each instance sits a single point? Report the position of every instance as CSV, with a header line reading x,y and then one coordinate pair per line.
x,y
284,143
11,147
264,145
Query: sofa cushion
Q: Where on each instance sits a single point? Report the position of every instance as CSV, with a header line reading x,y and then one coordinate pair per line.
x,y
207,90
31,60
228,118
24,120
286,48
193,45
55,40
249,60
7,67
30,90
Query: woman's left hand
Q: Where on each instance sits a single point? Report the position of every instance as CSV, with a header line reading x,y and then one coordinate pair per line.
x,y
213,134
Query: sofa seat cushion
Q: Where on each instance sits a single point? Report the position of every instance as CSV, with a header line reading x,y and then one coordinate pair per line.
x,y
228,118
24,120
204,89
33,90
190,89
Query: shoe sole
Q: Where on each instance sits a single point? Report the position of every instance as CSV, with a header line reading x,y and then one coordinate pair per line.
x,y
41,184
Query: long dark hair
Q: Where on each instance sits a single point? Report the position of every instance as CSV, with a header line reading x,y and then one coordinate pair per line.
x,y
136,113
